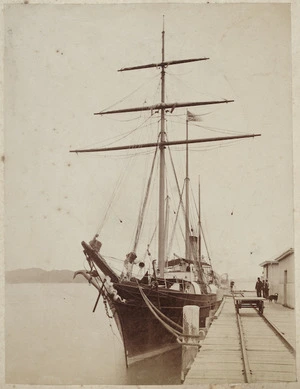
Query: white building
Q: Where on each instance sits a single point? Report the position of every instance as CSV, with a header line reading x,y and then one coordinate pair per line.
x,y
280,274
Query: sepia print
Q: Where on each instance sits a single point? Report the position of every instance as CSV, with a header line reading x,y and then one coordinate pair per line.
x,y
149,226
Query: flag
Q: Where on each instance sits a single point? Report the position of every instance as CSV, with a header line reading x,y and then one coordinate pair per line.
x,y
193,118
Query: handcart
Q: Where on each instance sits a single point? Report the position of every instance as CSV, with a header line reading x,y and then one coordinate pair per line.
x,y
249,302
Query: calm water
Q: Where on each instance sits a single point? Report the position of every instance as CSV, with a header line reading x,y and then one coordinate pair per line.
x,y
53,337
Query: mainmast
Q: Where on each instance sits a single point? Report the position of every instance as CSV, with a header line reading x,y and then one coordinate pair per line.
x,y
161,216
187,189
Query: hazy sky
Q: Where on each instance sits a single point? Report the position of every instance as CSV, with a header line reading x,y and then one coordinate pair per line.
x,y
61,66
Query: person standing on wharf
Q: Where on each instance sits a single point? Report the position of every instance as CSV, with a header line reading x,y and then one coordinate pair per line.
x,y
258,287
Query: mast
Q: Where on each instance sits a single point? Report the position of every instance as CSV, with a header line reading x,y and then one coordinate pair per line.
x,y
167,225
161,215
199,221
187,188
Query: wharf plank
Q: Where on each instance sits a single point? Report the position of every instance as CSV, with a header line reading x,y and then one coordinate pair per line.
x,y
212,357
269,359
224,373
223,341
262,347
220,367
221,372
259,367
215,380
217,350
283,318
274,377
272,359
220,358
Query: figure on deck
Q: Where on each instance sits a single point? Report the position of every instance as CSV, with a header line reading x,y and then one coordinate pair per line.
x,y
258,287
95,243
128,264
266,290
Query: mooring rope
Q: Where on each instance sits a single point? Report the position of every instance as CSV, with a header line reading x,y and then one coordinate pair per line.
x,y
180,337
155,312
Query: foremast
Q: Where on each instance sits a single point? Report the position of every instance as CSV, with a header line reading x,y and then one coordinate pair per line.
x,y
162,143
162,179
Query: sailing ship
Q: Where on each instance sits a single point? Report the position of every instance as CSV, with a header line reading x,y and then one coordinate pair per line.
x,y
148,310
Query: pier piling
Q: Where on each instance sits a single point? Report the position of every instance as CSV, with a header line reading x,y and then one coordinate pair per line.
x,y
191,314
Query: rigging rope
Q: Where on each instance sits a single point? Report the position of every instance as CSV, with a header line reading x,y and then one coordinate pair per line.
x,y
217,129
174,226
202,232
154,310
117,189
151,239
131,93
206,246
178,189
119,137
142,210
112,198
176,179
187,85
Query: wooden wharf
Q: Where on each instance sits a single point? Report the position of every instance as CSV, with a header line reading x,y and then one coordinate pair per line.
x,y
242,347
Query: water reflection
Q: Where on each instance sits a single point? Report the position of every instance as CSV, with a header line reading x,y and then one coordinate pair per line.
x,y
161,370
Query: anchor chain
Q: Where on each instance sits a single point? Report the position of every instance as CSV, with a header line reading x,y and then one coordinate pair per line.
x,y
106,308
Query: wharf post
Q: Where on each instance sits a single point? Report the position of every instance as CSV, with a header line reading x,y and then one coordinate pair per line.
x,y
190,346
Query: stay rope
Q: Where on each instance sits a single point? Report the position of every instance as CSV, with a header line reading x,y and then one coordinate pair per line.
x,y
143,207
174,225
131,93
180,192
150,242
202,232
176,181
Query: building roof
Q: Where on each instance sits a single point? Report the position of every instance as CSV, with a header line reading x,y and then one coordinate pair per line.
x,y
265,263
285,254
280,258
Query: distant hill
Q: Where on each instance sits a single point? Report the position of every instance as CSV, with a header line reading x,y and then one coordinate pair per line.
x,y
36,275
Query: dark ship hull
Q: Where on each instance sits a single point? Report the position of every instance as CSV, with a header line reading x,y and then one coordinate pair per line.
x,y
142,332
144,335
